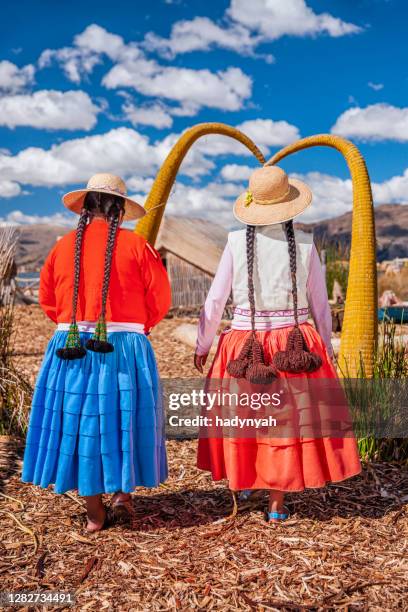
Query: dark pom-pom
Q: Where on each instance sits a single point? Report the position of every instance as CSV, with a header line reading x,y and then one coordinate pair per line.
x,y
297,357
260,374
250,364
77,352
99,346
237,367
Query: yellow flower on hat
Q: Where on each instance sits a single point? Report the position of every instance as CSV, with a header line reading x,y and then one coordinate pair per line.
x,y
248,198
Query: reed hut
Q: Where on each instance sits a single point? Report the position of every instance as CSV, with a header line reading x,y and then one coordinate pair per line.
x,y
191,250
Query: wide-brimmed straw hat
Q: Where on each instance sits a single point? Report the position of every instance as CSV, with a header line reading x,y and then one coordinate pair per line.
x,y
272,197
104,183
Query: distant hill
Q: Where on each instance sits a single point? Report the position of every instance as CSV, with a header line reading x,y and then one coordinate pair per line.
x,y
391,226
391,223
35,242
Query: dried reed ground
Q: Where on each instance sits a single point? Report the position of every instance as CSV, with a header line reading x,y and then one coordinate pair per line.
x,y
345,548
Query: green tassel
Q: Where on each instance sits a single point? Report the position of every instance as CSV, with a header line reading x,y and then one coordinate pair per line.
x,y
73,339
73,348
99,341
100,330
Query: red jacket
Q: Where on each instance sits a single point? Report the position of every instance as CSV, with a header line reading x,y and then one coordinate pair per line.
x,y
139,289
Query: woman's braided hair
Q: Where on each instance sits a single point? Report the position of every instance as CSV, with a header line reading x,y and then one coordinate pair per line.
x,y
250,250
250,362
297,357
73,348
111,207
290,237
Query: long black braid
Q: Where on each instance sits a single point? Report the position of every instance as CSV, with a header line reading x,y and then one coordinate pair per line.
x,y
290,237
250,362
112,208
297,357
113,228
73,348
82,223
250,250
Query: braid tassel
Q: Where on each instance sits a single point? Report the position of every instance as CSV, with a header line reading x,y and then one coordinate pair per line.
x,y
73,348
297,357
258,372
99,341
250,362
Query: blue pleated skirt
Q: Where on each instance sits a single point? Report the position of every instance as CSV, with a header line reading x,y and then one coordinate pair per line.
x,y
97,423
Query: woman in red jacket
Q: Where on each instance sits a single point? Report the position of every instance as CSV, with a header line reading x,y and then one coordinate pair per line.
x,y
96,423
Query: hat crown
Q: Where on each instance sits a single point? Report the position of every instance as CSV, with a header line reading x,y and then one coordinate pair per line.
x,y
268,183
107,182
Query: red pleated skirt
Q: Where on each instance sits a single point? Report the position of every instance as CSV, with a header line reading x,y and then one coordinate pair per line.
x,y
261,463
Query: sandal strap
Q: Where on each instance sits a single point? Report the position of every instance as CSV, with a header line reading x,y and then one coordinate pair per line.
x,y
280,516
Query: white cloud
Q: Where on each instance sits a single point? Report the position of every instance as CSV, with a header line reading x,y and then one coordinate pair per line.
x,y
76,62
201,34
137,184
214,201
225,90
375,122
237,172
268,133
332,196
96,39
9,189
17,217
276,18
265,133
123,151
13,78
155,115
89,47
195,163
393,190
375,86
48,109
247,24
192,89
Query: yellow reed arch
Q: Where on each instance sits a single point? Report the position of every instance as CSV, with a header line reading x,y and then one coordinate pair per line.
x,y
159,193
360,325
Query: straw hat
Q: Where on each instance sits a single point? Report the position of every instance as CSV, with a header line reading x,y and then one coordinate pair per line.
x,y
104,183
272,198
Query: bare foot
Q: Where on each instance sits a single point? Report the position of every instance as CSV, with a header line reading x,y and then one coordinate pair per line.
x,y
96,522
96,513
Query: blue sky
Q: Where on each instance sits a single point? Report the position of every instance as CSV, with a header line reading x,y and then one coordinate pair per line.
x,y
103,86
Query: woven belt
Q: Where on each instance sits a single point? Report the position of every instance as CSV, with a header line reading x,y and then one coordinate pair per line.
x,y
270,313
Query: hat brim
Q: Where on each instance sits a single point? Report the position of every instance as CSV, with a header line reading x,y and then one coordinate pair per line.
x,y
298,200
74,201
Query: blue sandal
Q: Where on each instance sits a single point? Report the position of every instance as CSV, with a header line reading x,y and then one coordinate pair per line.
x,y
278,516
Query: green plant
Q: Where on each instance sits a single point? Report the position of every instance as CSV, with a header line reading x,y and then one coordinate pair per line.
x,y
336,257
382,398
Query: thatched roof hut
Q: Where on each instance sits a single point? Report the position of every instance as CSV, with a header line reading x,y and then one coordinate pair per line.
x,y
191,250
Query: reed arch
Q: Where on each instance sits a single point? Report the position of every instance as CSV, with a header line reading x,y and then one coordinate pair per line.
x,y
360,326
149,225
